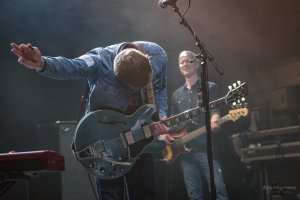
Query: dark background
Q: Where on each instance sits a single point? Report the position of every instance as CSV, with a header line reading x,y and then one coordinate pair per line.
x,y
255,41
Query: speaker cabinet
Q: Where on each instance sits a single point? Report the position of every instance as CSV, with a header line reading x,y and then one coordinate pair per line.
x,y
71,184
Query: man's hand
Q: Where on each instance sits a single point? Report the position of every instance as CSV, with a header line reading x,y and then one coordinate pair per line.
x,y
162,131
167,138
29,56
214,124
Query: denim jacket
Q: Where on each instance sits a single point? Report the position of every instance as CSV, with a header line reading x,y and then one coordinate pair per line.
x,y
105,90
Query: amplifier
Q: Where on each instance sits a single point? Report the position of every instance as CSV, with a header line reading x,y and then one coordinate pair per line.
x,y
268,152
71,184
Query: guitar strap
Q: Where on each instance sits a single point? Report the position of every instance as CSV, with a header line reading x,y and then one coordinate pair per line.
x,y
84,102
199,97
150,91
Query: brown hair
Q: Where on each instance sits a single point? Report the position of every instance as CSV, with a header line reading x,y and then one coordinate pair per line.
x,y
132,68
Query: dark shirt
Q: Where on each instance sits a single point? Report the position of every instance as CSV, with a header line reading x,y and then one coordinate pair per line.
x,y
184,99
135,102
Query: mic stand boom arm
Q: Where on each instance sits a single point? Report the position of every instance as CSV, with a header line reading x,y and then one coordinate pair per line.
x,y
202,57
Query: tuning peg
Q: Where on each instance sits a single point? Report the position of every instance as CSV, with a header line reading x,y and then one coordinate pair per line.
x,y
234,85
239,101
239,82
230,87
243,99
245,104
233,106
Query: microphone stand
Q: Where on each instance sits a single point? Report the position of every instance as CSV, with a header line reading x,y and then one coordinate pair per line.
x,y
202,57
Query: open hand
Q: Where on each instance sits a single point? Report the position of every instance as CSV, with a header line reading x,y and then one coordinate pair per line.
x,y
29,56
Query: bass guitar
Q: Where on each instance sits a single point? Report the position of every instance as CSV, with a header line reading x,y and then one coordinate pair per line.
x,y
171,152
108,143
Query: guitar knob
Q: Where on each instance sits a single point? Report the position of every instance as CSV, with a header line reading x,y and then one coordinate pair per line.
x,y
234,85
93,165
230,87
111,175
239,82
102,169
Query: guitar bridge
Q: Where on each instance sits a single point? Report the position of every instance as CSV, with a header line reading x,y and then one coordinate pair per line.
x,y
94,150
104,156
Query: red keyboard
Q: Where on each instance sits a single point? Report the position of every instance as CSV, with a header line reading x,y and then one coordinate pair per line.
x,y
32,161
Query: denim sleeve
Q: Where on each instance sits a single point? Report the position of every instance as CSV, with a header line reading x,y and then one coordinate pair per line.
x,y
161,96
159,65
84,67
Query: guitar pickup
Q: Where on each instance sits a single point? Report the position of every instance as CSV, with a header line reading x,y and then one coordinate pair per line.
x,y
123,140
129,137
147,130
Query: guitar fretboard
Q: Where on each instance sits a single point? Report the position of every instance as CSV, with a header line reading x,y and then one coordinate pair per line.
x,y
186,138
177,119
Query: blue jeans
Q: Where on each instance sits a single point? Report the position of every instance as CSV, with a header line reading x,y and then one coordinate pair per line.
x,y
137,184
192,164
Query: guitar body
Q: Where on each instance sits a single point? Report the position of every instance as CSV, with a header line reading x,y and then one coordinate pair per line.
x,y
102,145
171,152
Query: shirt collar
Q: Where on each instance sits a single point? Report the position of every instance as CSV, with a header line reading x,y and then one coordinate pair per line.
x,y
184,87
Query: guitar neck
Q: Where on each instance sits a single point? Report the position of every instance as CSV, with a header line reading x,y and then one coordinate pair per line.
x,y
177,119
188,137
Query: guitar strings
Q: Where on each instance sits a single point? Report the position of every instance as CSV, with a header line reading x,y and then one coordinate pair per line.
x,y
186,138
138,134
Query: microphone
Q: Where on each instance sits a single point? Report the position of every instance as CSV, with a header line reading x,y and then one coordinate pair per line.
x,y
164,3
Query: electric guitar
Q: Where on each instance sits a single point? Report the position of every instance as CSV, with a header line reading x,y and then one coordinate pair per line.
x,y
171,152
108,143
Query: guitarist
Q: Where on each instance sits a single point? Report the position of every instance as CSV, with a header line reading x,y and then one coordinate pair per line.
x,y
195,163
117,76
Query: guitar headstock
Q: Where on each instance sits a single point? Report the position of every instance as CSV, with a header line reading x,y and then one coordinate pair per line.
x,y
237,92
237,113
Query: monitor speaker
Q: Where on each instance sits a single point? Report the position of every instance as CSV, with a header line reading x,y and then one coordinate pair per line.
x,y
74,182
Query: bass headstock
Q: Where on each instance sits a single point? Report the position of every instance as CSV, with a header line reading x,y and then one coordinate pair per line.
x,y
237,113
